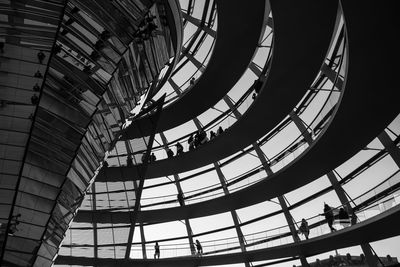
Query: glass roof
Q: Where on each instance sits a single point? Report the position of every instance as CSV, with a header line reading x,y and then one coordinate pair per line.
x,y
75,73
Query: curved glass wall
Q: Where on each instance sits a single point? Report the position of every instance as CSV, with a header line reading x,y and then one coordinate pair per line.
x,y
75,72
95,78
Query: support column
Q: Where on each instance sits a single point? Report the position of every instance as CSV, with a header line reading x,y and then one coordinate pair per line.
x,y
269,172
235,217
289,220
231,106
180,191
341,194
332,76
197,23
95,239
282,202
390,147
302,128
255,69
143,240
187,223
195,62
175,87
142,236
141,174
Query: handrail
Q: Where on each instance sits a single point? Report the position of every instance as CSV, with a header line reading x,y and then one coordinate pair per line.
x,y
229,112
261,240
292,147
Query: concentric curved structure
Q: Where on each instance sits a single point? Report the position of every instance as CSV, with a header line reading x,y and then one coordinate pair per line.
x,y
209,128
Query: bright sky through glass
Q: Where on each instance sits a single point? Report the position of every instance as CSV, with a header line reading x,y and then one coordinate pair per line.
x,y
370,178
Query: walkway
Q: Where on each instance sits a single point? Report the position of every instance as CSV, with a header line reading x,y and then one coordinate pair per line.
x,y
241,26
300,64
364,112
379,227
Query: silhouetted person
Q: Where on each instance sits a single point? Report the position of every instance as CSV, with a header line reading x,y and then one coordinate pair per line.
x,y
181,199
304,229
332,261
197,139
202,137
192,80
38,74
156,251
220,130
36,87
191,142
199,247
179,148
14,221
348,259
170,153
129,161
389,258
257,86
1,47
353,220
41,56
343,215
328,212
144,158
13,228
212,135
105,164
34,99
152,157
362,257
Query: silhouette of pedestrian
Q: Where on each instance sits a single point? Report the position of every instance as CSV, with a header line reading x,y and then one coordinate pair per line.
x,y
36,87
156,251
144,158
129,161
191,142
304,229
199,248
179,148
328,212
170,153
38,74
41,56
34,99
220,130
212,135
